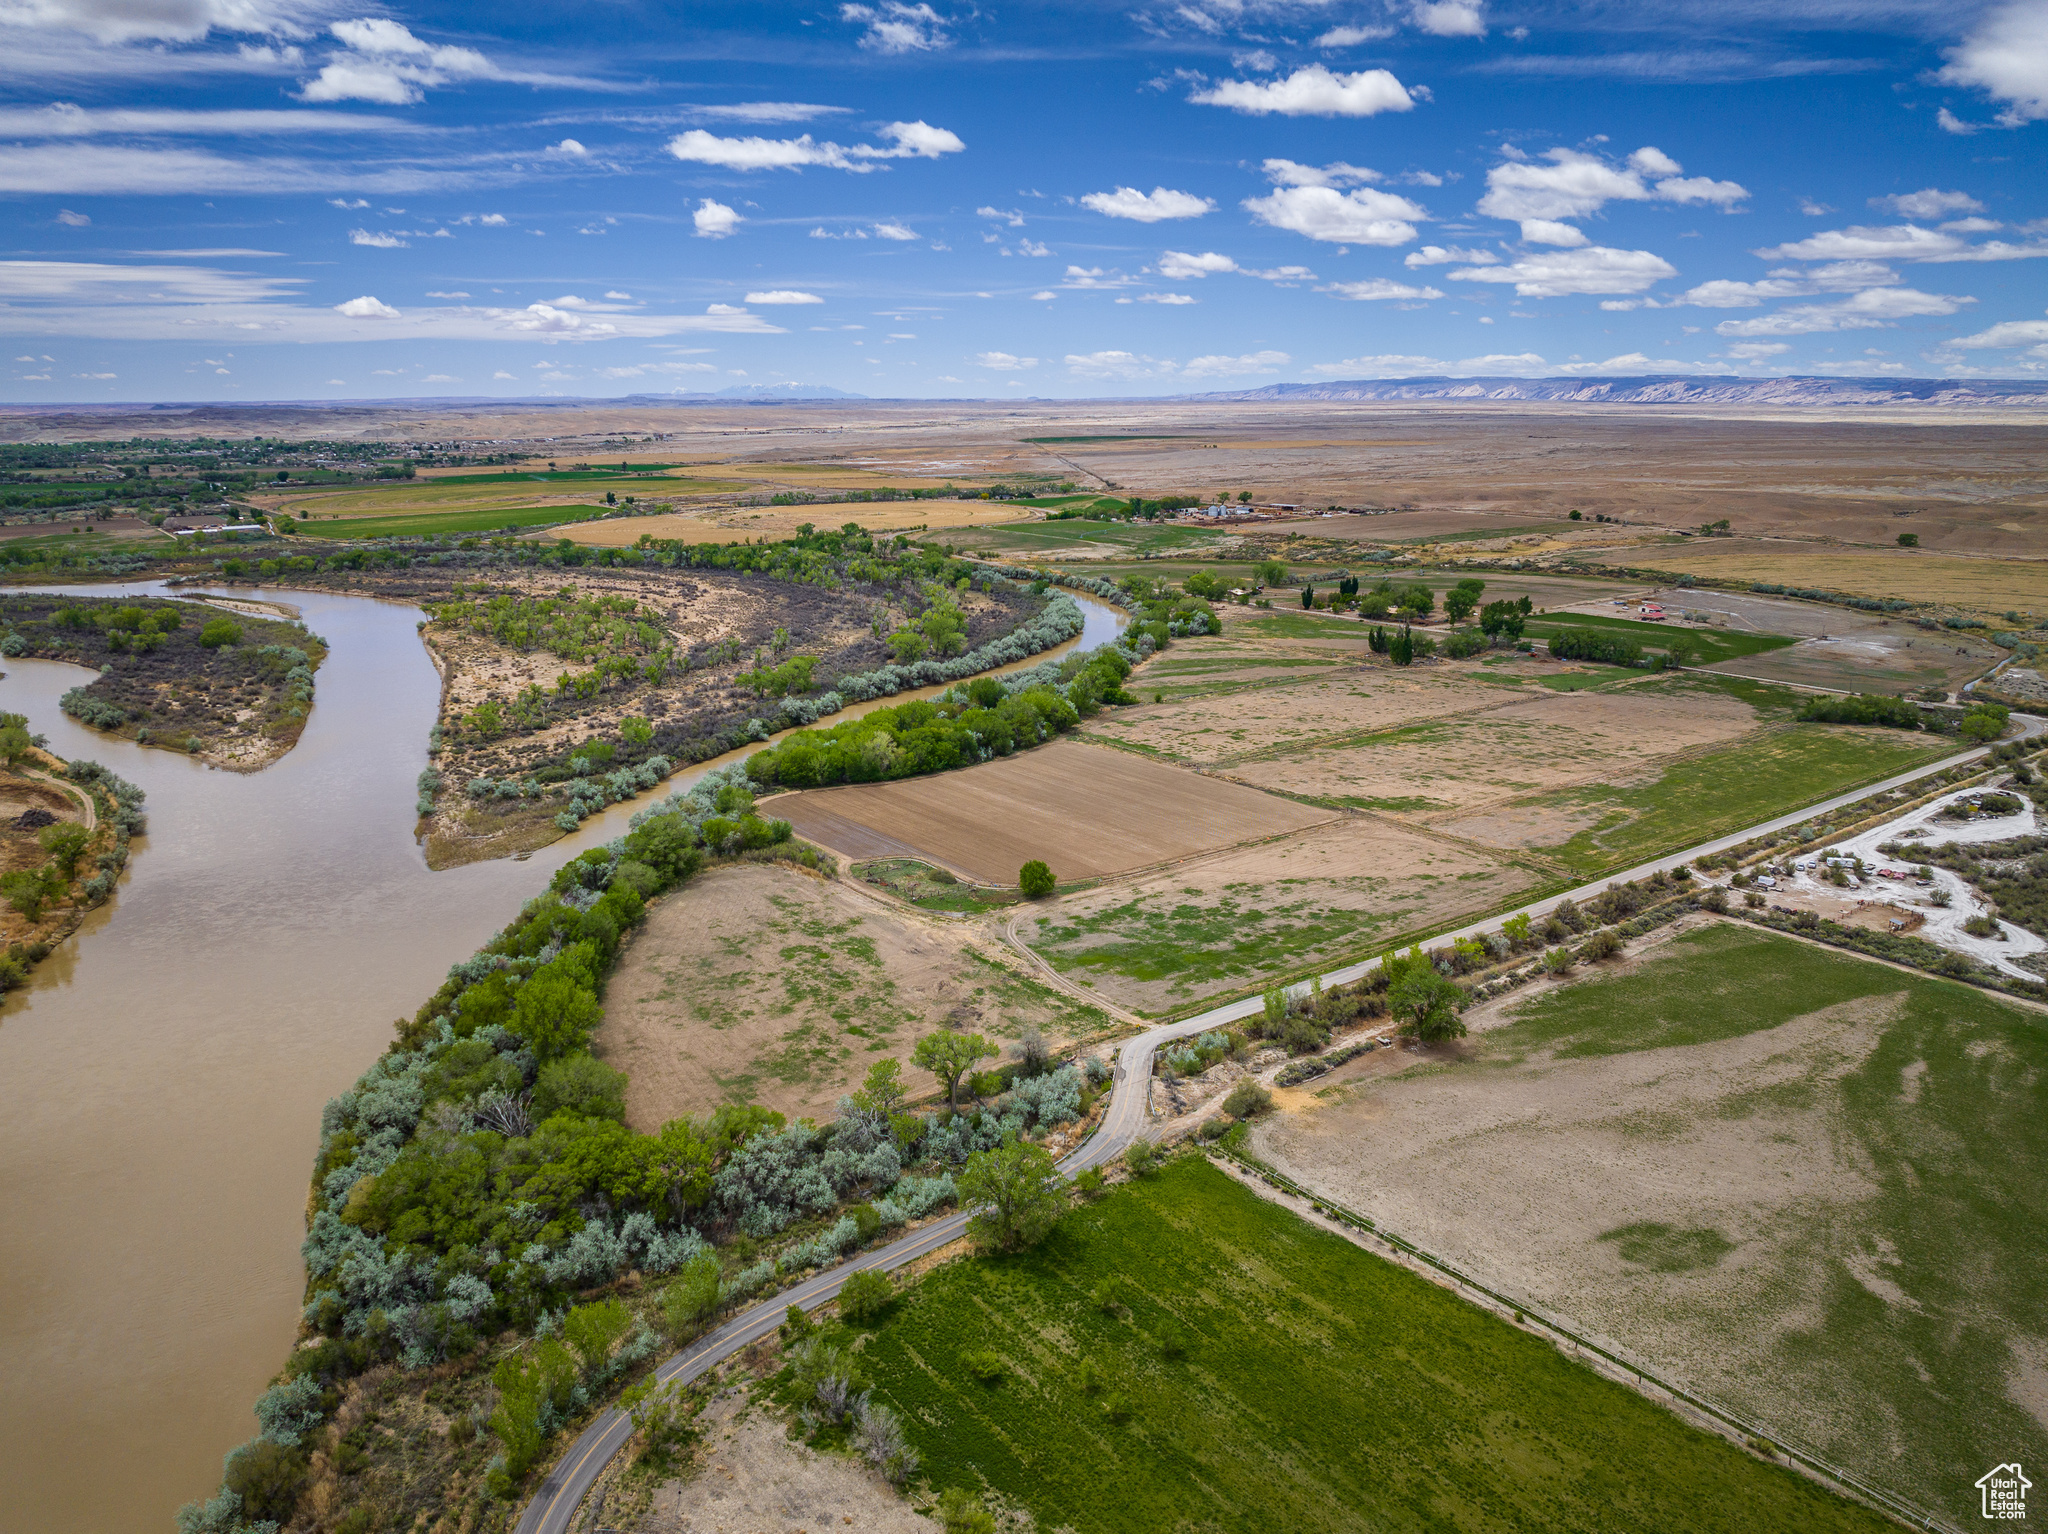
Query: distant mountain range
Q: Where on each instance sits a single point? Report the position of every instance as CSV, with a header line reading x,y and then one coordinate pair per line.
x,y
785,391
1664,389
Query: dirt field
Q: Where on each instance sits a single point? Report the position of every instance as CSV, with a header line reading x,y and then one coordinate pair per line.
x,y
1085,810
1547,741
747,1474
730,523
1236,919
758,983
1989,586
1738,1170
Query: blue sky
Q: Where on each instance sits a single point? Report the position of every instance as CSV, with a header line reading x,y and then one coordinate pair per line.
x,y
264,199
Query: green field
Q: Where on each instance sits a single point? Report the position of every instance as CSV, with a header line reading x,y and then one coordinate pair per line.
x,y
1713,645
1301,624
1937,1118
1724,790
1027,538
1320,1389
433,523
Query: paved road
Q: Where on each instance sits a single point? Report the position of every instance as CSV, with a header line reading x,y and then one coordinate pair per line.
x,y
565,1487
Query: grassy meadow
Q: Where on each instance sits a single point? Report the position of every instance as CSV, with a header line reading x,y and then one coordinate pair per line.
x,y
1264,1374
435,523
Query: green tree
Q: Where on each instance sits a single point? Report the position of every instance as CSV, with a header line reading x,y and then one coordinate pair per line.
x,y
593,1330
1141,1157
949,1056
1461,599
635,730
14,744
267,1477
1036,880
1015,1193
65,842
1247,1100
220,633
555,1014
1909,540
1308,595
1270,572
1425,1003
580,1084
882,1090
692,1296
28,890
544,1375
865,1295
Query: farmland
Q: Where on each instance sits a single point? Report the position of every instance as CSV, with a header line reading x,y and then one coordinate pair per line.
x,y
1756,1164
434,524
1268,1374
1084,811
761,983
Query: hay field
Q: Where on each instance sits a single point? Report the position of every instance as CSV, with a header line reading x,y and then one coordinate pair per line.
x,y
1085,810
729,524
1987,586
1240,919
1808,1185
759,983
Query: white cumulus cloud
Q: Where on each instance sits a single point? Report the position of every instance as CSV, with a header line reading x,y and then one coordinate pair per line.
x,y
1179,266
714,220
1557,274
1574,184
1364,216
893,27
1004,362
1311,91
2006,57
1231,367
1928,202
894,232
1377,288
1446,255
1872,309
1544,231
783,296
1450,18
1147,207
382,61
377,239
366,308
907,140
1351,37
2007,334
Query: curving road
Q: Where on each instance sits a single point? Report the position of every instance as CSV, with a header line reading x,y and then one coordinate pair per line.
x,y
563,1489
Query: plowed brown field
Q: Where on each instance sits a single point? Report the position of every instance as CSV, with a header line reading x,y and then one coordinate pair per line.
x,y
1086,810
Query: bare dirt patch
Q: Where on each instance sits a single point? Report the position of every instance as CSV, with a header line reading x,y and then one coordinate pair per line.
x,y
1086,810
1288,713
1548,741
757,983
747,1474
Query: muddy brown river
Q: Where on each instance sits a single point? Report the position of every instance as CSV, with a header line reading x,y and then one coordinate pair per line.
x,y
161,1078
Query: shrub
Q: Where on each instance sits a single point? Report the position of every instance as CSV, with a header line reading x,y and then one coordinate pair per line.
x,y
1603,944
1088,1378
1863,708
1089,1183
1594,645
1173,1340
1117,1408
267,1477
865,1295
1108,1295
961,1513
1247,1100
1035,880
985,1365
220,633
1142,1157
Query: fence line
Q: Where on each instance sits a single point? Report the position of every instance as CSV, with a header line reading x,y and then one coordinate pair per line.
x,y
1907,1512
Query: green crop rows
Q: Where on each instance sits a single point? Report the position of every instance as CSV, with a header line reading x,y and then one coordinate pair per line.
x,y
1320,1389
432,523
